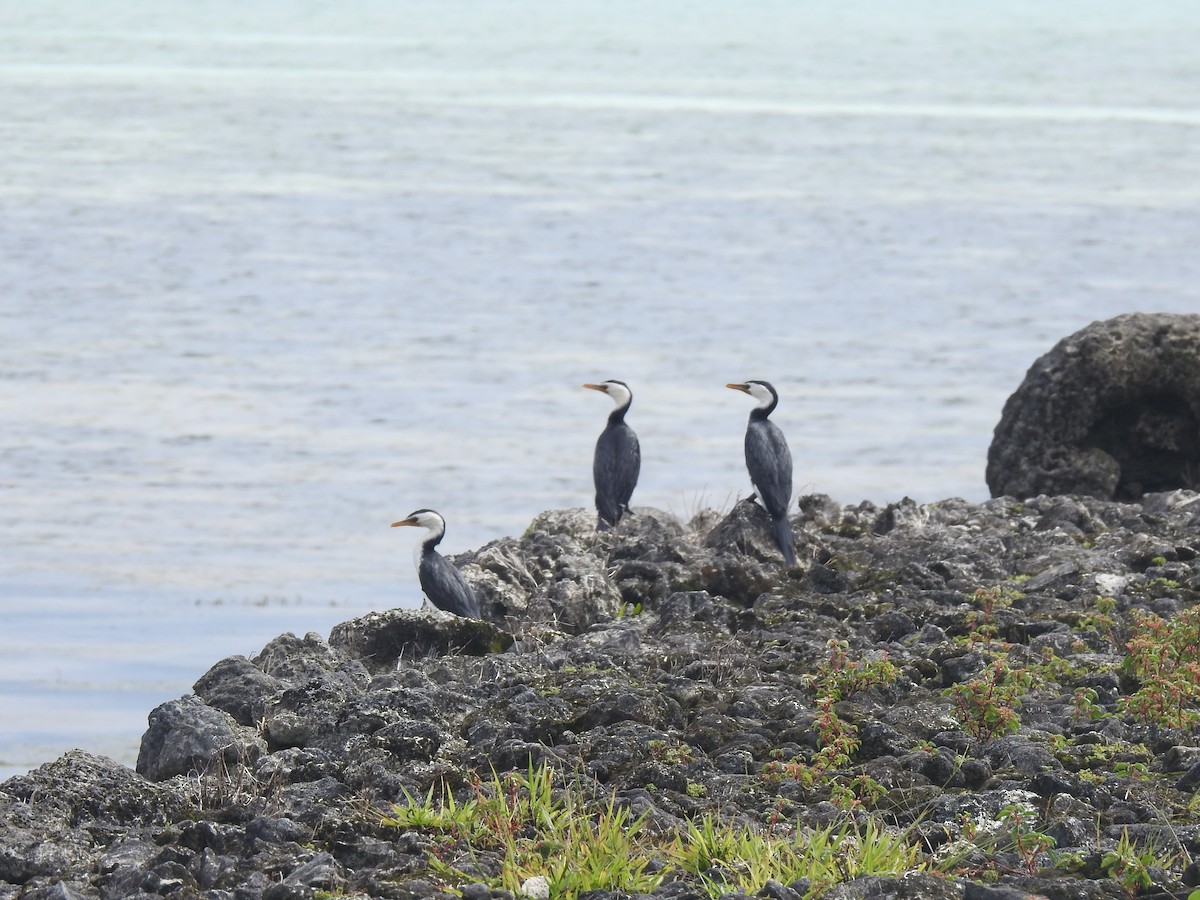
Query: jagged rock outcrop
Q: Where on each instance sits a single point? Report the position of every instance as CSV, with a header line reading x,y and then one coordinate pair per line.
x,y
681,670
1112,411
60,823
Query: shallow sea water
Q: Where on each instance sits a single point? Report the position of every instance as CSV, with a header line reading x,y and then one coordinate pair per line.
x,y
273,276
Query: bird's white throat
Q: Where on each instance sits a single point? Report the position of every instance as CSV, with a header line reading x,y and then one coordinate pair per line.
x,y
620,394
761,394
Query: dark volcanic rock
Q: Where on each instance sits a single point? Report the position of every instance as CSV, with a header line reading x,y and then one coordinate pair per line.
x,y
1112,411
238,687
186,736
382,640
914,886
681,673
50,819
550,576
747,531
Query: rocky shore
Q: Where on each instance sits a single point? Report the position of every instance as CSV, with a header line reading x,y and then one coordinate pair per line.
x,y
997,684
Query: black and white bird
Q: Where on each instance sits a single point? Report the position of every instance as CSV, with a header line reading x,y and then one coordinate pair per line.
x,y
618,458
770,463
444,586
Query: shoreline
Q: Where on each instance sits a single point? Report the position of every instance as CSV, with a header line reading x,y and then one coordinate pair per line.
x,y
679,668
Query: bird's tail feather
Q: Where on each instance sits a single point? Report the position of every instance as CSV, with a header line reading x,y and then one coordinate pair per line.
x,y
783,537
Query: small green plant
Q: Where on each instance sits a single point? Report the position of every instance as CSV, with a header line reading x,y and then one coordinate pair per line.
x,y
523,818
1054,668
1101,619
996,597
779,770
1027,841
1087,705
1164,655
838,738
727,857
444,815
1070,860
860,792
1169,584
1103,754
836,678
1136,770
1129,865
842,675
987,705
672,753
531,827
988,600
838,741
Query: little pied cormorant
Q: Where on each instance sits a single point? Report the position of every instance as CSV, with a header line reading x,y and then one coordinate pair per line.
x,y
443,584
770,463
618,458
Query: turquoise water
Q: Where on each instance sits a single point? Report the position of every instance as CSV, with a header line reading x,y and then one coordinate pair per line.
x,y
275,275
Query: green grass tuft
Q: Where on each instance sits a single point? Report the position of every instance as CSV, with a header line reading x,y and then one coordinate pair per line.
x,y
521,825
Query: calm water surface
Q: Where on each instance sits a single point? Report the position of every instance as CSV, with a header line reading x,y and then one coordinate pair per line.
x,y
272,275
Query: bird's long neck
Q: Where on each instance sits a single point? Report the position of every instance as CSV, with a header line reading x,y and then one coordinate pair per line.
x,y
432,539
760,413
617,416
426,548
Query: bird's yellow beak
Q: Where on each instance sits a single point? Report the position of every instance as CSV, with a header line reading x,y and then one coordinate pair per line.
x,y
596,387
405,522
744,388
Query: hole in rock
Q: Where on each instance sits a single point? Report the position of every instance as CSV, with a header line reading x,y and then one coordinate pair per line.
x,y
1156,442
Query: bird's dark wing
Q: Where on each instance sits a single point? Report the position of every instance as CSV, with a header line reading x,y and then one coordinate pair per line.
x,y
770,465
615,470
446,587
630,465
